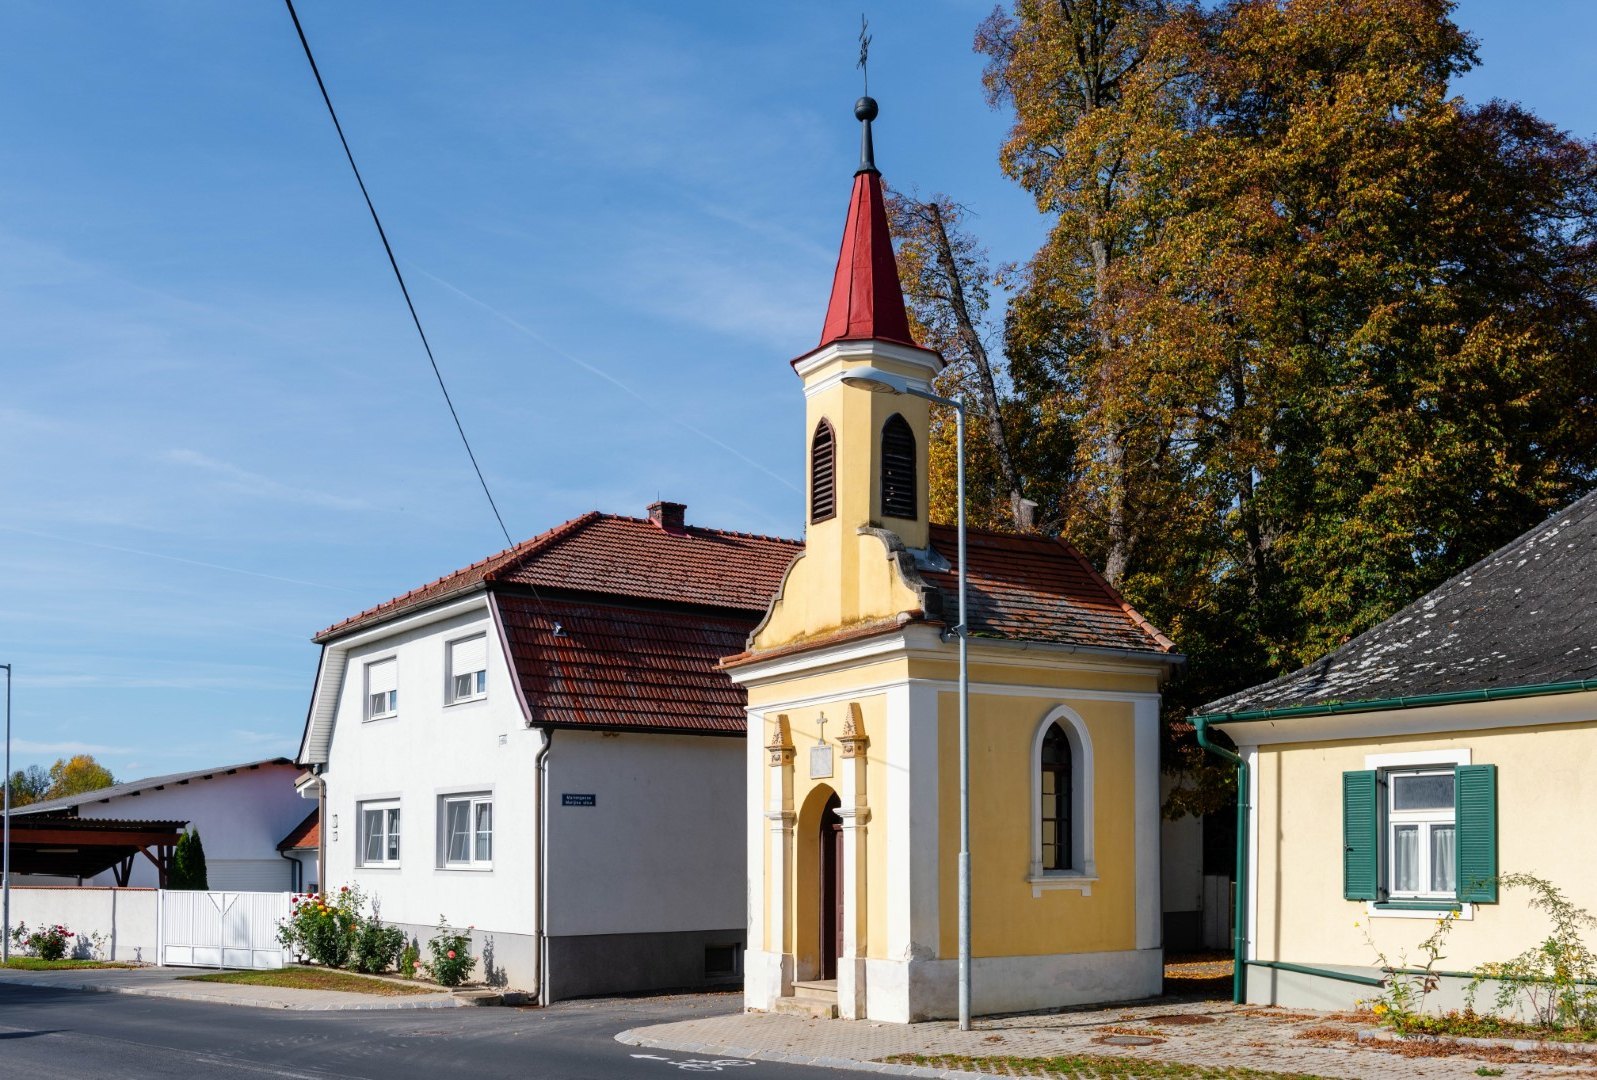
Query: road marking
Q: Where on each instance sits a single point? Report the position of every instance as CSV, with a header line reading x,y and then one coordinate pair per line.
x,y
699,1064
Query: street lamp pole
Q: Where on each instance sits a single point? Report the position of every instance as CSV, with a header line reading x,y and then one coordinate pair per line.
x,y
881,382
5,857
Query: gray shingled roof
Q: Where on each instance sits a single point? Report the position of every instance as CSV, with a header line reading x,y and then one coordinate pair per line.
x,y
1525,615
134,787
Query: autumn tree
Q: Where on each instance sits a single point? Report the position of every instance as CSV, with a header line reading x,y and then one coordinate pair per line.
x,y
76,775
1094,88
1318,332
28,785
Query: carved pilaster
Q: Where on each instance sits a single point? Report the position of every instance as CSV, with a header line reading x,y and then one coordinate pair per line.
x,y
779,751
852,738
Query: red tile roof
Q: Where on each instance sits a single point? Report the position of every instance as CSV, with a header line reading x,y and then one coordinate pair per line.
x,y
1037,588
617,556
626,666
307,834
867,301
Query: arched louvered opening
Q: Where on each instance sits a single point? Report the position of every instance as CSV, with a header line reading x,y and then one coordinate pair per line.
x,y
898,469
823,473
1056,800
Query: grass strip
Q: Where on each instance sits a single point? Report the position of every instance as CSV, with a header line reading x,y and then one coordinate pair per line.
x,y
33,963
309,978
1090,1067
1476,1026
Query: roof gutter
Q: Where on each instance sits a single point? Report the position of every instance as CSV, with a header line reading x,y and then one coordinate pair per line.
x,y
1239,931
1417,701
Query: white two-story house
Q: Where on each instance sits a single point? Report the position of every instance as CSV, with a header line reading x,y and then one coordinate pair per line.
x,y
542,747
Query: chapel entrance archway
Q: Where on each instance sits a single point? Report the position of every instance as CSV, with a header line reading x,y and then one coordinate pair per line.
x,y
831,891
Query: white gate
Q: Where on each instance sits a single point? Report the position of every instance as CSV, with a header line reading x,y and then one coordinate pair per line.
x,y
222,929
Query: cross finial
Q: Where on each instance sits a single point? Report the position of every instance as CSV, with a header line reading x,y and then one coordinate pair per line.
x,y
821,725
865,52
865,108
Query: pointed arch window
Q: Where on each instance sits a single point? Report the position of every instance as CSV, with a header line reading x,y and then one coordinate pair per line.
x,y
823,472
1057,797
1062,854
898,469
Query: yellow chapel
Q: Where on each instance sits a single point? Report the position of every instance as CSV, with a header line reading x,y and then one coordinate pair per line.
x,y
853,748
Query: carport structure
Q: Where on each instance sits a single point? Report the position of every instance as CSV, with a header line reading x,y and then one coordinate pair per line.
x,y
69,846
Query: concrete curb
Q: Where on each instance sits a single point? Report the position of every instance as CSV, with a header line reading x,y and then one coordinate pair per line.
x,y
450,1002
634,1037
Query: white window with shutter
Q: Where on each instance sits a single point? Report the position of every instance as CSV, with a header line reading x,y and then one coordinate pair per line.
x,y
468,669
382,688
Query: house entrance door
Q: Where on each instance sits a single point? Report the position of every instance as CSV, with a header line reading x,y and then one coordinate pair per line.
x,y
831,849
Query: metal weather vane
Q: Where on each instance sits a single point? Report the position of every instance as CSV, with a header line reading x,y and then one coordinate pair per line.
x,y
865,52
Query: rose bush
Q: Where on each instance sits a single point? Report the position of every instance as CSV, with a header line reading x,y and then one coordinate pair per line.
x,y
451,951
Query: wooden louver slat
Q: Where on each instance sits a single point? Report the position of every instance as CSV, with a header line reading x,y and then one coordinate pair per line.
x,y
898,469
823,473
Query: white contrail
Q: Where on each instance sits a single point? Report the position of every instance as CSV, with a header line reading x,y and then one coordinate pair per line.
x,y
175,558
600,373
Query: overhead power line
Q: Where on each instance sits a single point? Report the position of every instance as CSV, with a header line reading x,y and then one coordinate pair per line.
x,y
399,277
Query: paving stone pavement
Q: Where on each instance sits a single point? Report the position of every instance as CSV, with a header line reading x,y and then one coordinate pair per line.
x,y
1197,1033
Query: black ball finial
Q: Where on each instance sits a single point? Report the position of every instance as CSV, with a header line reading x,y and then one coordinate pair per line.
x,y
865,109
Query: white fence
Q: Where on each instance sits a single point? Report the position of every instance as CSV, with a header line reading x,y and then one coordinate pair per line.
x,y
198,929
222,929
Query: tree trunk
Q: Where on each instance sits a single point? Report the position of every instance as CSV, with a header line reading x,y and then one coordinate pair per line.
x,y
987,387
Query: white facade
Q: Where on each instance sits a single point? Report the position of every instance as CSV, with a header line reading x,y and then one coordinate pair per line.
x,y
241,815
645,868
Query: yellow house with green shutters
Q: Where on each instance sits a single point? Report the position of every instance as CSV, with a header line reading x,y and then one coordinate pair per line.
x,y
853,750
1394,780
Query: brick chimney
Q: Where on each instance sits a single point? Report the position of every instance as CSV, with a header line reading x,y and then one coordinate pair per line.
x,y
670,516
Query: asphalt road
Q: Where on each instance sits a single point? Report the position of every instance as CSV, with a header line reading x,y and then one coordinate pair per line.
x,y
61,1034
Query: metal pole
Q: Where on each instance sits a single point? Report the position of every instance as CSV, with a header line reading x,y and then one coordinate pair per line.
x,y
964,737
5,857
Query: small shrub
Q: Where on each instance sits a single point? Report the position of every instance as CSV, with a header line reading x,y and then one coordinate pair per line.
x,y
1402,998
1550,984
376,946
409,957
45,943
451,951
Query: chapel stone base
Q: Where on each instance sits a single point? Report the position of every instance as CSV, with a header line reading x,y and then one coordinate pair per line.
x,y
911,991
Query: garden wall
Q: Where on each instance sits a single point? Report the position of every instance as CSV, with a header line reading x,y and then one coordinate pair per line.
x,y
126,919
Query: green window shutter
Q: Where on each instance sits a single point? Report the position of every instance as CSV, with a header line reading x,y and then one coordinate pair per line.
x,y
1475,810
1361,835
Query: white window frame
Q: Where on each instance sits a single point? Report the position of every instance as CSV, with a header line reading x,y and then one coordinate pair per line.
x,y
393,827
1411,761
472,801
480,691
369,712
1424,822
1083,872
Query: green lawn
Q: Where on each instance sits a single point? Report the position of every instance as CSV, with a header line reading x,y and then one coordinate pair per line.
x,y
309,978
1091,1067
33,963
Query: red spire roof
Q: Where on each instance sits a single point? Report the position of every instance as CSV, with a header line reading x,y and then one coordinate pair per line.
x,y
867,300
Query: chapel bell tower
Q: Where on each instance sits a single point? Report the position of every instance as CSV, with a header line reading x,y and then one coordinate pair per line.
x,y
865,452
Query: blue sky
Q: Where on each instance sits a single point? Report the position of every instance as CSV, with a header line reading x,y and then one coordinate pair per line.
x,y
218,432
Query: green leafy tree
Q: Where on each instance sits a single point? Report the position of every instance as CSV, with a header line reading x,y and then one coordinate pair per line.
x,y
188,863
77,775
